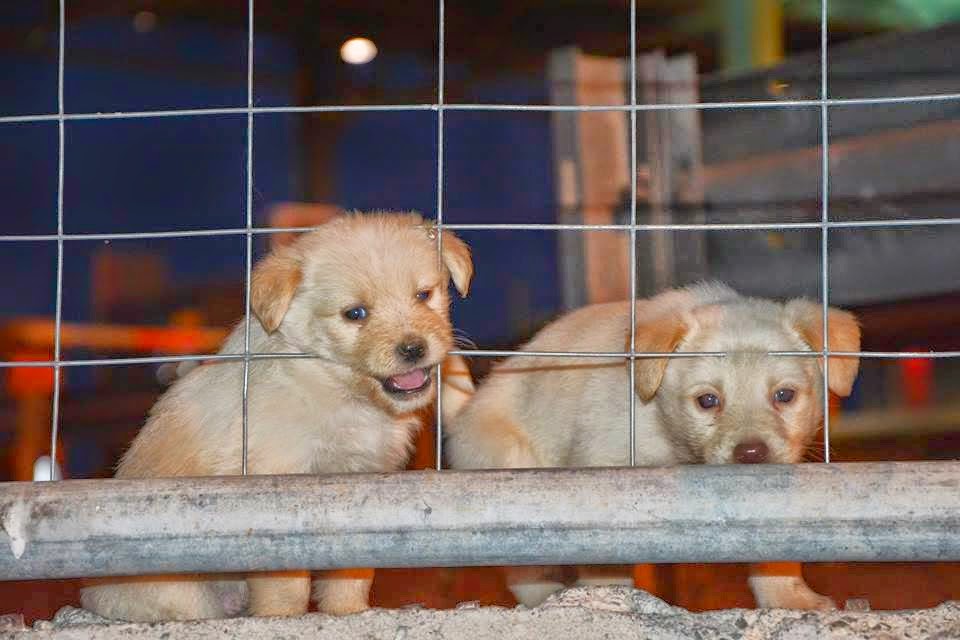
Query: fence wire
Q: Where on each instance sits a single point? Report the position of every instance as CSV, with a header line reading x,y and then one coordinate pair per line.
x,y
824,219
456,226
457,106
58,304
248,261
632,371
824,102
441,32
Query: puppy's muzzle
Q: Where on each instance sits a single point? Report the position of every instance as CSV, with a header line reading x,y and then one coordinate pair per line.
x,y
411,351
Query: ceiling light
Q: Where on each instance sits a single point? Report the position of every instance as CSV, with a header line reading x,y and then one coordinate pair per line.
x,y
358,51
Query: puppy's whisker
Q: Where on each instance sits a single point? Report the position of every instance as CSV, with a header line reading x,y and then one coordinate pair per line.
x,y
464,343
462,340
814,452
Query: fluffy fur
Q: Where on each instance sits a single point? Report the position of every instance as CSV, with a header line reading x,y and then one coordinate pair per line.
x,y
572,412
331,414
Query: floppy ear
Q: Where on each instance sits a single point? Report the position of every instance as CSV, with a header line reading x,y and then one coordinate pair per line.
x,y
661,335
456,258
275,280
844,335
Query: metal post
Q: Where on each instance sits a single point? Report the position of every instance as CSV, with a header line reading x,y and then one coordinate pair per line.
x,y
696,513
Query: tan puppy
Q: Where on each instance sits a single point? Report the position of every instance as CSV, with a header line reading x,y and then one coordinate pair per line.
x,y
368,295
747,407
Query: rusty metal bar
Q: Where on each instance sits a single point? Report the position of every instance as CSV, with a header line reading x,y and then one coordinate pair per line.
x,y
733,513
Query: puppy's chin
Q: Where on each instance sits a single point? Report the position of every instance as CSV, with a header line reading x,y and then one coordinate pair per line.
x,y
407,403
408,384
404,393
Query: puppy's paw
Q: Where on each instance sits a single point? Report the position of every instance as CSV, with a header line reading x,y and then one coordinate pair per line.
x,y
787,592
142,600
533,594
279,593
342,596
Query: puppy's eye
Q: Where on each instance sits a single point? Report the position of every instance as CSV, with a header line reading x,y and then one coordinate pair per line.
x,y
708,401
783,396
355,314
423,295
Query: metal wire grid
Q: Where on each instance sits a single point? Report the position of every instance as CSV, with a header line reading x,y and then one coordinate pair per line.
x,y
632,371
824,102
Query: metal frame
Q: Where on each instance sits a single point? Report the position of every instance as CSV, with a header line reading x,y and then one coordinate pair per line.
x,y
856,512
809,512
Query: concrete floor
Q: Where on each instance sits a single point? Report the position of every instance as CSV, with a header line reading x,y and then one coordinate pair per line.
x,y
601,612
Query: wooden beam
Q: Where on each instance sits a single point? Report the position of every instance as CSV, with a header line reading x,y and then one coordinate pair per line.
x,y
38,333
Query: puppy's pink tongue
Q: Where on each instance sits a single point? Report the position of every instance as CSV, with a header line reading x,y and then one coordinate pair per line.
x,y
410,380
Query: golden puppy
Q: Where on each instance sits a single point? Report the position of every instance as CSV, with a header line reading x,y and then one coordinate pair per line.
x,y
366,294
747,407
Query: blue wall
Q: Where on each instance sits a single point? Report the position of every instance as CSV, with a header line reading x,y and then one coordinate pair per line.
x,y
497,169
155,174
149,174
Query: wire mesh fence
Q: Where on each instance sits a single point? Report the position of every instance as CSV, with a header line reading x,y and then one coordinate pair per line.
x,y
824,103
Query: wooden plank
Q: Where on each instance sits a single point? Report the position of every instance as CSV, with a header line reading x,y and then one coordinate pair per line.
x,y
38,333
605,167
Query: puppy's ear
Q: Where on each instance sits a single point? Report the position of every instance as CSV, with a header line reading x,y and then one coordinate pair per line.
x,y
661,335
275,280
806,318
457,260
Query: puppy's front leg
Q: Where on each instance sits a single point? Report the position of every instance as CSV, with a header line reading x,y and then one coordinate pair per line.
x,y
153,598
343,591
279,593
780,585
604,575
533,584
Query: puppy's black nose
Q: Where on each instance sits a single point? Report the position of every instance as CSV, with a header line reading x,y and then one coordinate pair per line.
x,y
752,452
412,349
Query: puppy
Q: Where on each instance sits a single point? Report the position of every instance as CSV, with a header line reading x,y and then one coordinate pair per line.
x,y
368,296
747,407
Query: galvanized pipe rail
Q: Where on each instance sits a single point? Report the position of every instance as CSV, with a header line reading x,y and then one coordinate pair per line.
x,y
734,513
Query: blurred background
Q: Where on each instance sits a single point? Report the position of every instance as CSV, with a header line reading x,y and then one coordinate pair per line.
x,y
168,296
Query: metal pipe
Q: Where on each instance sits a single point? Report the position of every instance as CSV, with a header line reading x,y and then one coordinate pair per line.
x,y
732,513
